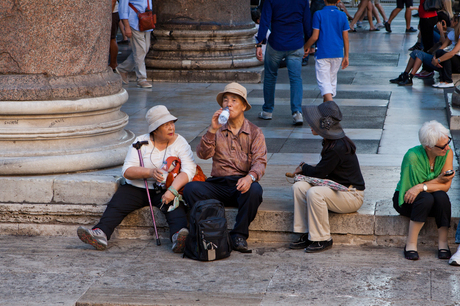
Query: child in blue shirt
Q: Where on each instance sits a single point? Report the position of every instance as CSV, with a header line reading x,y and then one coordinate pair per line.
x,y
330,32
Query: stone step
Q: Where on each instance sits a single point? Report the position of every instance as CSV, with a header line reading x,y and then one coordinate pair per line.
x,y
56,205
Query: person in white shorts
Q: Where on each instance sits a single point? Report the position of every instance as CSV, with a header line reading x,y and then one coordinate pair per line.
x,y
330,32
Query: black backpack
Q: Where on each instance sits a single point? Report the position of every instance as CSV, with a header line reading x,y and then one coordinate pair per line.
x,y
208,239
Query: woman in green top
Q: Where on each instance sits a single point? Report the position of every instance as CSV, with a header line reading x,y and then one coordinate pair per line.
x,y
421,191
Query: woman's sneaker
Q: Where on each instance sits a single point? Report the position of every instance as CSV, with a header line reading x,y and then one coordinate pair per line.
x,y
95,237
178,240
400,78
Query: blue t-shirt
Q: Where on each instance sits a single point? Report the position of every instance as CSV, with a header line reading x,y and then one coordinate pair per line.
x,y
331,23
289,22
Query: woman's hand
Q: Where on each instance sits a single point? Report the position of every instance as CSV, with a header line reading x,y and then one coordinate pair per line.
x,y
156,174
443,178
167,197
412,193
434,62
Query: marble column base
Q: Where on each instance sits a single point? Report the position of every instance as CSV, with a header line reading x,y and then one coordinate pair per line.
x,y
58,136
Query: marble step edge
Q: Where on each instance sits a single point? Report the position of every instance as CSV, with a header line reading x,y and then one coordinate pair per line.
x,y
63,220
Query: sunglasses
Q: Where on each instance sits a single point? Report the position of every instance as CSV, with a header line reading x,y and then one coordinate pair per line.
x,y
444,146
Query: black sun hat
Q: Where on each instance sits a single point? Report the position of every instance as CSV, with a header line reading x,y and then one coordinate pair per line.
x,y
325,119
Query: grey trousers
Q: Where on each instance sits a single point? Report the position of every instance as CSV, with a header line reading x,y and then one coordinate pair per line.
x,y
140,42
311,206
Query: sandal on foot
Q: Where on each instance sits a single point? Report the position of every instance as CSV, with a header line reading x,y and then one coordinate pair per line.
x,y
444,254
375,29
411,255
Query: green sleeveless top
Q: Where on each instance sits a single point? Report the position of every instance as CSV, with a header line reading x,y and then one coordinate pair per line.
x,y
415,169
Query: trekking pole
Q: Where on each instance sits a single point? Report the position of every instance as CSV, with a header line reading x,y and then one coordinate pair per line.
x,y
138,146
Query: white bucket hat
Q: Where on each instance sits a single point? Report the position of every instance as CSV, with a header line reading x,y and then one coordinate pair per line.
x,y
157,116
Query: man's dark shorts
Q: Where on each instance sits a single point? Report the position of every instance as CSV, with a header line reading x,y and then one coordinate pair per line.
x,y
115,21
400,3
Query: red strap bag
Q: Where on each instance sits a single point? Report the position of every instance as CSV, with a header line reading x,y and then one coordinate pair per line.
x,y
147,20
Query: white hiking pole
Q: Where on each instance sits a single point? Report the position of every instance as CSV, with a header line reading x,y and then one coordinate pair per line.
x,y
138,146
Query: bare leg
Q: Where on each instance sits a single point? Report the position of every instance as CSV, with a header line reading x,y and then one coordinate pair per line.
x,y
412,236
358,13
410,65
370,10
382,11
327,97
393,14
408,16
113,53
376,14
418,62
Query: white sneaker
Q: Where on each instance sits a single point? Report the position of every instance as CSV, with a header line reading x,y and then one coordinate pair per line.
x,y
144,84
455,259
445,85
96,237
436,85
265,115
178,240
298,118
379,25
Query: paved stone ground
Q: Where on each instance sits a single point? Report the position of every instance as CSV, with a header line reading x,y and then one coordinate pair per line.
x,y
63,271
382,118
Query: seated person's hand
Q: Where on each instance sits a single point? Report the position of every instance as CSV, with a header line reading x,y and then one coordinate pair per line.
x,y
412,193
445,178
156,174
244,184
167,197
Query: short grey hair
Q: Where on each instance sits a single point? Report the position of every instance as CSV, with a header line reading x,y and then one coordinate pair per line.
x,y
431,132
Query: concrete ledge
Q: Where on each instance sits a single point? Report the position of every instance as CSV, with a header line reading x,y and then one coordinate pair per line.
x,y
242,75
56,205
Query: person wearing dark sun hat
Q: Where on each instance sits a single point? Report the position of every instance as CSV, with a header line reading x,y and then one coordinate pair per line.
x,y
239,158
338,163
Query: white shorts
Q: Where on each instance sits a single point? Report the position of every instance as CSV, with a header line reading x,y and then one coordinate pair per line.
x,y
326,74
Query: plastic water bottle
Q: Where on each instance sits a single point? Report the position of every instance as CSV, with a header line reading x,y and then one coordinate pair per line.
x,y
223,117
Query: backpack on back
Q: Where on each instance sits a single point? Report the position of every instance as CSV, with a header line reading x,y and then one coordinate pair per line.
x,y
208,239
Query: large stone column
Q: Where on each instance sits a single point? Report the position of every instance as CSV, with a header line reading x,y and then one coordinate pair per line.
x,y
59,102
198,40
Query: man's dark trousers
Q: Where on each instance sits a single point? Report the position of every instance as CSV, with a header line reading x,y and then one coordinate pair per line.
x,y
224,190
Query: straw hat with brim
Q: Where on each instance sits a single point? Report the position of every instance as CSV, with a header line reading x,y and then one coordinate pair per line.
x,y
236,89
157,116
325,119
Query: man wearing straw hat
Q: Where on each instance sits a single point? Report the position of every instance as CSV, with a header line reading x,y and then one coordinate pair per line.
x,y
239,158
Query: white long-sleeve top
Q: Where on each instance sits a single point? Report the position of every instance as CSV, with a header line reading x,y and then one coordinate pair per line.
x,y
153,158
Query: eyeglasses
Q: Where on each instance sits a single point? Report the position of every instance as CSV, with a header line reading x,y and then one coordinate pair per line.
x,y
444,146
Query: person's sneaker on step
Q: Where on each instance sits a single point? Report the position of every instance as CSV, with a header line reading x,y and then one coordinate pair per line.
x,y
455,259
400,78
318,246
144,84
407,80
95,237
297,118
239,244
265,115
300,243
178,241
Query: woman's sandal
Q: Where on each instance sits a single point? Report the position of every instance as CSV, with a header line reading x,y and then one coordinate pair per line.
x,y
444,254
411,255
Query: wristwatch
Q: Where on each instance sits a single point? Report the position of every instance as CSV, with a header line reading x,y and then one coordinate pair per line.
x,y
425,187
439,60
252,177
